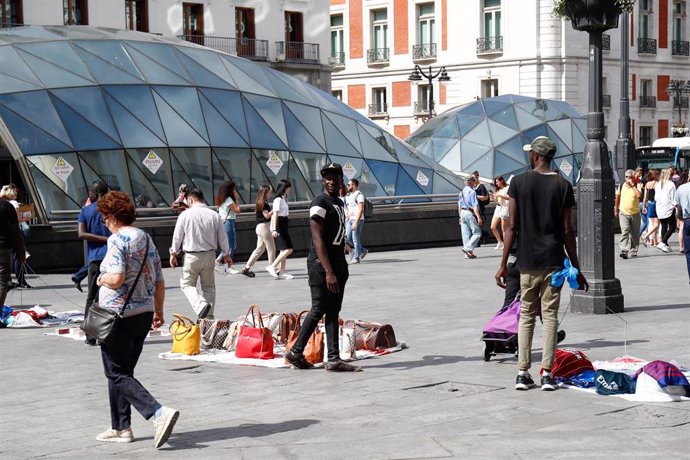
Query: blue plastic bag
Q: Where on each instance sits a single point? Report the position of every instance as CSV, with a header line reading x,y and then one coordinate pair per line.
x,y
569,272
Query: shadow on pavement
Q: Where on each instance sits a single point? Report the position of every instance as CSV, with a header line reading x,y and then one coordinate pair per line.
x,y
600,343
430,360
197,439
678,306
384,261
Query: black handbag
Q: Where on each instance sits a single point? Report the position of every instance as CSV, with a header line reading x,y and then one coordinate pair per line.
x,y
101,323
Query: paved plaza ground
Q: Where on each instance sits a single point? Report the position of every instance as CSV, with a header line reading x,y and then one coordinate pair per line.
x,y
53,398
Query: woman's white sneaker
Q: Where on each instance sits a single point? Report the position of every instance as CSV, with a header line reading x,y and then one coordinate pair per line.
x,y
111,435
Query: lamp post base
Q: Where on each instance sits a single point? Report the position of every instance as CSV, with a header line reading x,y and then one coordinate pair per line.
x,y
604,296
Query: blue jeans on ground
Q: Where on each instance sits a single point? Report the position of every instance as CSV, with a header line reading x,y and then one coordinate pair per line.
x,y
645,220
471,232
119,360
354,239
229,226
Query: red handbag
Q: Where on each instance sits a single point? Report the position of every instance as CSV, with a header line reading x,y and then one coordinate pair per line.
x,y
254,342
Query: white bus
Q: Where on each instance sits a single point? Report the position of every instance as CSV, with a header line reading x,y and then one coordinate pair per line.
x,y
665,152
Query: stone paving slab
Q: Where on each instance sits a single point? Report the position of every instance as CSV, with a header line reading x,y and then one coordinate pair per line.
x,y
437,399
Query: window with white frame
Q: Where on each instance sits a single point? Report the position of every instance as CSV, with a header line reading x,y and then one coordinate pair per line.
x,y
645,135
647,98
379,29
379,103
426,23
338,94
645,19
679,45
492,18
489,88
337,40
422,105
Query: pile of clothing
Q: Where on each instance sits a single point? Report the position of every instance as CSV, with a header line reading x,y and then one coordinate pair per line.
x,y
37,316
651,381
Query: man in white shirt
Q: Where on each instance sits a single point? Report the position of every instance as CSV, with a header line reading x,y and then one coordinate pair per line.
x,y
355,211
198,233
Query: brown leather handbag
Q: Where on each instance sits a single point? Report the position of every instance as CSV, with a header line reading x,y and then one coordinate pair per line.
x,y
372,336
313,352
214,332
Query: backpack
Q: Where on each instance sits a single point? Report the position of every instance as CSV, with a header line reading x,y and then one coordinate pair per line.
x,y
368,207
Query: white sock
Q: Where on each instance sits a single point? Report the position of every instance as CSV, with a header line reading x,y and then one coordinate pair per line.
x,y
523,373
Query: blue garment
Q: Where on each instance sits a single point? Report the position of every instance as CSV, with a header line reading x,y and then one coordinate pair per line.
x,y
644,220
471,232
468,198
229,226
569,272
354,239
93,220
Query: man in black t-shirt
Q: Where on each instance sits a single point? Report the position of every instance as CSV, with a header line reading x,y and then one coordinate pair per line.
x,y
540,215
328,272
10,241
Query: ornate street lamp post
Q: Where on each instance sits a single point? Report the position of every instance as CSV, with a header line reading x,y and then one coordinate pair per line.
x,y
417,75
677,88
595,189
625,147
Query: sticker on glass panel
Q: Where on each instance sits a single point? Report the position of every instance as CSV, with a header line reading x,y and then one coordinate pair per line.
x,y
274,163
349,170
153,162
566,167
62,169
422,179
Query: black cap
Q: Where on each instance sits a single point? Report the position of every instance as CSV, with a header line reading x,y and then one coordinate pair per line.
x,y
332,167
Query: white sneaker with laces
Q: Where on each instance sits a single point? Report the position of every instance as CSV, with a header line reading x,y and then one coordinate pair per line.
x,y
164,425
498,246
285,276
119,436
233,271
220,268
272,270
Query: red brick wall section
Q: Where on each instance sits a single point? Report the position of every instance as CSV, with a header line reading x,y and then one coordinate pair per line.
x,y
401,131
662,82
633,82
442,93
444,25
402,93
663,128
401,44
337,2
356,40
356,96
663,23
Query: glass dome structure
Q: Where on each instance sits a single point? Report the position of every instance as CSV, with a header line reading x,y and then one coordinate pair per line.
x,y
146,113
487,135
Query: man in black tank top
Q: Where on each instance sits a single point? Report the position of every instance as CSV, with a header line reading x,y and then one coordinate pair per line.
x,y
328,272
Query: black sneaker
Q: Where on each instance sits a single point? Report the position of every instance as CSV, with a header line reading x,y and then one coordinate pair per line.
x,y
90,342
297,360
560,336
341,366
524,382
77,284
248,273
548,383
624,254
204,311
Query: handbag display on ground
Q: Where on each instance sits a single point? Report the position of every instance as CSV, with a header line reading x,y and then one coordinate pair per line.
x,y
186,336
313,352
254,342
214,333
372,336
101,323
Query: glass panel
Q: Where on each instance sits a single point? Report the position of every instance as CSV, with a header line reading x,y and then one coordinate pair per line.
x,y
163,54
471,152
104,72
249,68
504,165
426,9
386,174
180,177
58,53
301,188
203,76
474,108
262,156
298,136
309,117
185,101
485,165
111,166
228,104
499,132
408,156
52,196
237,164
51,75
156,189
296,86
133,132
270,111
154,72
208,60
405,185
262,136
26,105
497,30
372,147
442,186
337,20
197,163
479,134
219,130
488,24
12,85
347,126
525,119
112,52
466,123
414,173
563,129
88,102
441,146
336,142
85,136
452,159
380,15
492,3
245,82
12,65
310,166
73,185
513,149
287,91
177,131
139,102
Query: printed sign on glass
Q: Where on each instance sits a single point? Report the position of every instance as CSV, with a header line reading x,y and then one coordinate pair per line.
x,y
152,162
274,163
349,171
422,179
566,167
62,169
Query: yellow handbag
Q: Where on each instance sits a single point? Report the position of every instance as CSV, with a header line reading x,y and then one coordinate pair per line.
x,y
186,336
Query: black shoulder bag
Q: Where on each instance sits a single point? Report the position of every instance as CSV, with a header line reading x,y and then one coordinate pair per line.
x,y
101,323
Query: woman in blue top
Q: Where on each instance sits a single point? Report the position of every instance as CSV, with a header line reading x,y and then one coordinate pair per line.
x,y
119,271
228,207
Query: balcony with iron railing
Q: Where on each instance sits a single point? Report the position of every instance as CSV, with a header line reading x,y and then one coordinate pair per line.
x,y
681,102
646,45
249,48
378,56
605,42
647,102
606,101
378,110
421,108
306,53
680,48
423,52
490,45
337,59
